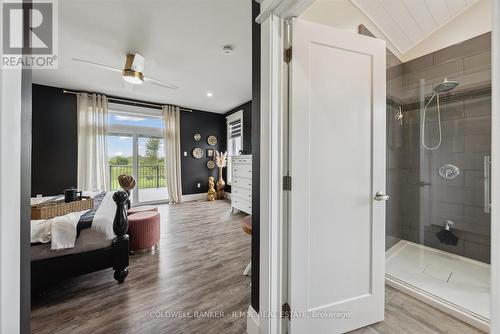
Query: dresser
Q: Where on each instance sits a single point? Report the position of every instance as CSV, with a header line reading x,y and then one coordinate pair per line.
x,y
241,183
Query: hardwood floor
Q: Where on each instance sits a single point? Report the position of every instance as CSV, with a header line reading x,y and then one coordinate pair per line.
x,y
203,253
199,268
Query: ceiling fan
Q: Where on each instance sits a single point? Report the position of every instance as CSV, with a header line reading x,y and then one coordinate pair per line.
x,y
132,72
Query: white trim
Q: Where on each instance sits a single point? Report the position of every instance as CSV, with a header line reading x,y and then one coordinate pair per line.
x,y
230,119
271,262
253,321
10,194
227,195
235,116
132,109
495,170
282,8
194,197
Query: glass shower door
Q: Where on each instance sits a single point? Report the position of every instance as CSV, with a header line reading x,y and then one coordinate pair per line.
x,y
439,226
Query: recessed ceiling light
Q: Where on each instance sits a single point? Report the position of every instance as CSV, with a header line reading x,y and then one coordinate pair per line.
x,y
210,94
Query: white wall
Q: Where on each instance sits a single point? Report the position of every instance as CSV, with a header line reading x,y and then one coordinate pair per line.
x,y
10,165
344,14
471,23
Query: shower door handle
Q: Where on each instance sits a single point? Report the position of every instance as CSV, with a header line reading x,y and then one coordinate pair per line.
x,y
487,184
380,196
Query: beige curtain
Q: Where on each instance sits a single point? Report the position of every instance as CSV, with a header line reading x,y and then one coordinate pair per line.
x,y
93,171
172,140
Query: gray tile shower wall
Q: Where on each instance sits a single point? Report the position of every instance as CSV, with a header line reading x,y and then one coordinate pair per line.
x,y
421,199
394,229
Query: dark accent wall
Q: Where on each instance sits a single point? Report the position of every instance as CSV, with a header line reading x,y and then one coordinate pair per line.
x,y
255,156
247,125
195,170
55,142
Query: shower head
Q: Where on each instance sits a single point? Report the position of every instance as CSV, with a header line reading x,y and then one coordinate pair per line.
x,y
445,86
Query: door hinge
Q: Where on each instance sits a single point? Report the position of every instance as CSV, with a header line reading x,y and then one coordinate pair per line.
x,y
286,311
287,55
287,182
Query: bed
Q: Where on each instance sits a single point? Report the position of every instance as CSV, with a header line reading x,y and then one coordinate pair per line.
x,y
91,252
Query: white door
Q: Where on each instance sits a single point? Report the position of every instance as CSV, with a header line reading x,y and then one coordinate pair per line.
x,y
337,164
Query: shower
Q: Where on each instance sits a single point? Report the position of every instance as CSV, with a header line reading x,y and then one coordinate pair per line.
x,y
444,86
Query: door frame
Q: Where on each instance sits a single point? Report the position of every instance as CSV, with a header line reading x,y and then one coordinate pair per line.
x,y
272,18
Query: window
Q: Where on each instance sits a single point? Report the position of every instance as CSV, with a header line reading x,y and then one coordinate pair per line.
x,y
135,147
234,138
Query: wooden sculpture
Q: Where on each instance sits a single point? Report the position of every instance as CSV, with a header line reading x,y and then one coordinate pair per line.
x,y
220,161
211,189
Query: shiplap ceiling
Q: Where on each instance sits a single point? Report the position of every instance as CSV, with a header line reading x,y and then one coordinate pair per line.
x,y
408,22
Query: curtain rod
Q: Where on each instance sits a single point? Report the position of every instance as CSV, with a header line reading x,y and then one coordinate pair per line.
x,y
129,101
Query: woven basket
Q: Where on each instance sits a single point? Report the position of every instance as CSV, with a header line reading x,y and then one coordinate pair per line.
x,y
54,209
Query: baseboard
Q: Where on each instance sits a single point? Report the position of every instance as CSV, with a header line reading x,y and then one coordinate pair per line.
x,y
253,321
227,195
194,197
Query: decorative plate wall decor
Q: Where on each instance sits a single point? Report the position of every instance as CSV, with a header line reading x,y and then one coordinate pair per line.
x,y
212,140
211,164
197,136
198,153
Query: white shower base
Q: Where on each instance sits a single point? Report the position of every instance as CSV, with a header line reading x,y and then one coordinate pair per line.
x,y
452,283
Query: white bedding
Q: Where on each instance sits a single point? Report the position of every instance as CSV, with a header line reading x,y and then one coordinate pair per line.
x,y
61,231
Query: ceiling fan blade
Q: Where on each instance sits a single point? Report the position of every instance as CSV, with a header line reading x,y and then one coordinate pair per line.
x,y
159,83
106,67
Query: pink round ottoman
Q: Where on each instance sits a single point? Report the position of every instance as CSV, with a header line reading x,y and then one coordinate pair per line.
x,y
144,232
142,208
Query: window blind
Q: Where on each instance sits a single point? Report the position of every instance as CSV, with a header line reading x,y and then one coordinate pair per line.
x,y
235,129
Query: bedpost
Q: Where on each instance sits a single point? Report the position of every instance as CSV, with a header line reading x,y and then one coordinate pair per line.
x,y
120,242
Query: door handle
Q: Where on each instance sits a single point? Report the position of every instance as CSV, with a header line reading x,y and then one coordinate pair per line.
x,y
380,196
487,184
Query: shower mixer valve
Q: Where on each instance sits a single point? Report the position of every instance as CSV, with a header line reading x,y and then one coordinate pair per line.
x,y
449,171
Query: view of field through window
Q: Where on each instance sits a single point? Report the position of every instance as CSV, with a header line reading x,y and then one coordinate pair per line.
x,y
149,160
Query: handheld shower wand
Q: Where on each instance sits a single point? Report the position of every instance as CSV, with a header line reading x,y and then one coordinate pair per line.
x,y
445,86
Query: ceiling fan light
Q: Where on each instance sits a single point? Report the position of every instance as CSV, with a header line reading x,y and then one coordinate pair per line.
x,y
133,77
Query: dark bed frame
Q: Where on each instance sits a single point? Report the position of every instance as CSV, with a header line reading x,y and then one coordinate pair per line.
x,y
48,271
